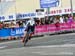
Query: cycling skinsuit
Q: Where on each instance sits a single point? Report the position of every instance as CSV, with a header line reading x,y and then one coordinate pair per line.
x,y
30,26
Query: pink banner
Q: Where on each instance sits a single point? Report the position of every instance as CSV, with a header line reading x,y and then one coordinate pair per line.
x,y
42,29
73,25
51,28
65,26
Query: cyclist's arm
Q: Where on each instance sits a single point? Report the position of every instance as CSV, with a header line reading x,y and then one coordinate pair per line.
x,y
26,25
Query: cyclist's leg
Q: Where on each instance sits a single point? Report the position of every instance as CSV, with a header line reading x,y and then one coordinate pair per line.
x,y
25,34
31,33
26,38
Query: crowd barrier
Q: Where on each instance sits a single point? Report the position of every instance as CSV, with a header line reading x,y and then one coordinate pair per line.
x,y
39,30
8,33
51,28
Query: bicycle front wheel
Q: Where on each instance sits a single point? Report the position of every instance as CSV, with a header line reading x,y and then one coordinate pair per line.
x,y
26,40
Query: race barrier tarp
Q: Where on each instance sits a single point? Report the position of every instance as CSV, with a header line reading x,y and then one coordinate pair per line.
x,y
39,30
5,32
51,28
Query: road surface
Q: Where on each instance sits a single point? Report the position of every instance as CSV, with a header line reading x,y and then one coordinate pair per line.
x,y
56,45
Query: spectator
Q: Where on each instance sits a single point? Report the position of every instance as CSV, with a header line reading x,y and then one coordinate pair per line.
x,y
37,21
74,18
12,24
20,23
47,20
61,19
57,24
51,20
6,26
17,25
42,21
1,25
70,19
66,19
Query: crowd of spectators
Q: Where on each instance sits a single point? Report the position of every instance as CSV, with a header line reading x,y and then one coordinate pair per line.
x,y
12,24
55,19
39,21
7,24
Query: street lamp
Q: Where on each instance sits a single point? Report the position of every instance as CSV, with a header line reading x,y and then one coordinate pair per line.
x,y
71,7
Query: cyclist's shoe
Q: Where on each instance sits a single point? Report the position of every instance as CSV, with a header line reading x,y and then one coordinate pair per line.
x,y
29,38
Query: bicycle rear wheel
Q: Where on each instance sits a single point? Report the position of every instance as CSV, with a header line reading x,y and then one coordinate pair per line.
x,y
26,40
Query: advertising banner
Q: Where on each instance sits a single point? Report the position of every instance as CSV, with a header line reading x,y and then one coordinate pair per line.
x,y
12,32
39,30
48,3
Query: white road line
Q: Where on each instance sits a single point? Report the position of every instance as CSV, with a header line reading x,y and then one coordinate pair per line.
x,y
65,53
1,47
41,53
58,53
9,42
50,46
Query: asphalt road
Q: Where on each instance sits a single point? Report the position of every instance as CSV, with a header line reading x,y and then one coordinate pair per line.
x,y
56,45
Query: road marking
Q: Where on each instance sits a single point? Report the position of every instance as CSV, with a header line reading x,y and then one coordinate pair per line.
x,y
65,45
9,42
41,53
58,53
65,53
1,47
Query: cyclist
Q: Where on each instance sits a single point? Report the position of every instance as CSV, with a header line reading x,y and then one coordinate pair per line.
x,y
29,29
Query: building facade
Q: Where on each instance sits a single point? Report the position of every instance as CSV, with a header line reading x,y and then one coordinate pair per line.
x,y
27,8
